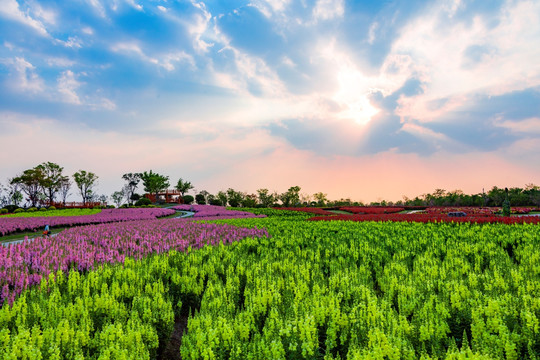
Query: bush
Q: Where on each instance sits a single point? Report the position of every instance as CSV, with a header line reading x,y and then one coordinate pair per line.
x,y
42,209
215,202
52,208
143,201
200,200
11,208
19,210
32,209
110,206
188,199
3,211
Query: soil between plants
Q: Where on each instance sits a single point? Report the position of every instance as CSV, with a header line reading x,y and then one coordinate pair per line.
x,y
172,350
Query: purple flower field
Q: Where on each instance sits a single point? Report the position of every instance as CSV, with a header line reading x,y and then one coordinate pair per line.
x,y
11,225
24,265
211,212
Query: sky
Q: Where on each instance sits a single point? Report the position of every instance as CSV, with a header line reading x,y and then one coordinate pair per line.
x,y
367,100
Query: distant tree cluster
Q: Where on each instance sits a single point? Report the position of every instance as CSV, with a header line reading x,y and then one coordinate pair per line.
x,y
528,196
46,184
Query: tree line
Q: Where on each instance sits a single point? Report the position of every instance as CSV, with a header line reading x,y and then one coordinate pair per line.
x,y
46,184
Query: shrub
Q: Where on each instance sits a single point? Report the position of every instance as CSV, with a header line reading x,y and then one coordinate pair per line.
x,y
43,209
215,202
110,207
32,209
52,208
143,201
188,199
11,208
19,210
200,200
3,211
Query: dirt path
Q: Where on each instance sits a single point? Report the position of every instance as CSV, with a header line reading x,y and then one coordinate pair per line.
x,y
172,350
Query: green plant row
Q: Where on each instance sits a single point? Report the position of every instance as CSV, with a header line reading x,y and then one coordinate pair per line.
x,y
44,212
314,290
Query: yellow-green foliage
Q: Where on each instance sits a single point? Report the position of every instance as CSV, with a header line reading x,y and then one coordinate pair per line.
x,y
315,290
64,212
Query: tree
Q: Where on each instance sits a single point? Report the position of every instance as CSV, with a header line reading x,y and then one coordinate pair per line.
x,y
4,200
14,195
533,191
117,197
85,183
132,180
30,182
200,199
249,201
51,181
291,197
154,183
321,198
65,185
305,199
183,186
222,198
266,199
234,197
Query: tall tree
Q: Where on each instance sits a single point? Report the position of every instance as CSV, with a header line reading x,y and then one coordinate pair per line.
x,y
85,183
30,182
65,186
154,183
320,198
14,194
265,198
183,186
234,197
132,181
291,197
117,197
51,182
222,197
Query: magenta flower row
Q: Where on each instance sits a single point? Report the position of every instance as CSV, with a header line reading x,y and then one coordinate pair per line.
x,y
212,212
82,248
11,225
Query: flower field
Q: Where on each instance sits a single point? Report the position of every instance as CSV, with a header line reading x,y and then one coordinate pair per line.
x,y
372,209
18,224
308,290
211,212
432,217
24,265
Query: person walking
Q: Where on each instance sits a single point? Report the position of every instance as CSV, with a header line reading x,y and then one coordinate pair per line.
x,y
46,231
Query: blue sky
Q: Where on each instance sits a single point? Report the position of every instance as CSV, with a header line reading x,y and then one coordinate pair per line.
x,y
363,99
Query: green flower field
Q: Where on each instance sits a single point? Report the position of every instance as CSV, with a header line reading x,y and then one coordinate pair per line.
x,y
309,290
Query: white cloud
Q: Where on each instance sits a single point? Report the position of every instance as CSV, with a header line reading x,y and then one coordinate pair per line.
x,y
165,61
270,7
72,42
372,30
10,9
98,7
59,62
24,77
162,8
465,59
87,30
67,87
328,9
529,126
